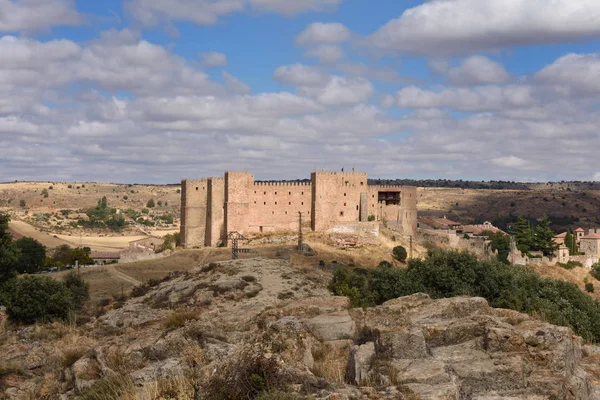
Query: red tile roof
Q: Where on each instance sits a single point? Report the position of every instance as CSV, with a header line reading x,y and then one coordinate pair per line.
x,y
579,230
593,236
561,235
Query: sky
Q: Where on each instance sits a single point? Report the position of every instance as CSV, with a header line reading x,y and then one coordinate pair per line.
x,y
155,91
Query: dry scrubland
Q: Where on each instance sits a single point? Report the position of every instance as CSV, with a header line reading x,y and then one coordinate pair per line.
x,y
269,330
469,205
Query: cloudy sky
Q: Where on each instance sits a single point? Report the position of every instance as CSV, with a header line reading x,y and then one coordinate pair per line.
x,y
159,90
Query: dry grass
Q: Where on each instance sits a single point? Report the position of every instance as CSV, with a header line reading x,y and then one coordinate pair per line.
x,y
180,261
103,284
178,319
330,363
577,275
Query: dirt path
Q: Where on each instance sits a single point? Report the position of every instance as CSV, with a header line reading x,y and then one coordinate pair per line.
x,y
118,274
96,243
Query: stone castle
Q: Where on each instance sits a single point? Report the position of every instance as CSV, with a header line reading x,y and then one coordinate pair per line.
x,y
213,207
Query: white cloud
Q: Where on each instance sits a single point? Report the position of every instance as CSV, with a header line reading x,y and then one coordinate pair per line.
x,y
294,7
320,32
326,53
478,99
234,84
37,15
213,59
510,162
573,74
478,70
299,75
201,12
450,27
341,90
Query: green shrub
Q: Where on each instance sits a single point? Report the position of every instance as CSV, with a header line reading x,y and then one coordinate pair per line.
x,y
451,273
38,299
150,203
79,288
570,264
399,253
589,287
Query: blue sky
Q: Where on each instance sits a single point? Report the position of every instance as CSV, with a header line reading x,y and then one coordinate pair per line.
x,y
160,90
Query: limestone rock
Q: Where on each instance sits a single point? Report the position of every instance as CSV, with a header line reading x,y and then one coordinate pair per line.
x,y
359,363
334,326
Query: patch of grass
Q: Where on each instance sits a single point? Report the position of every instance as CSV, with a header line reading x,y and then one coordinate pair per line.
x,y
111,387
209,267
248,376
570,265
71,356
330,363
11,369
178,319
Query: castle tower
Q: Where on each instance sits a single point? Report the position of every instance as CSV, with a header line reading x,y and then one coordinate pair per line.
x,y
193,212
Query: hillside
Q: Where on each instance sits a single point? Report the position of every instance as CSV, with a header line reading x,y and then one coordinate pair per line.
x,y
265,329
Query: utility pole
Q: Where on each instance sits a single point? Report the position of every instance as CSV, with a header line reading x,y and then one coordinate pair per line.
x,y
299,231
235,237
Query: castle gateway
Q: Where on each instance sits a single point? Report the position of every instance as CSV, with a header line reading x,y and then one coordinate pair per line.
x,y
212,207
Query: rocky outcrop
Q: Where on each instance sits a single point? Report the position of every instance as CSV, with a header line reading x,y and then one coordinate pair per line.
x,y
198,326
460,348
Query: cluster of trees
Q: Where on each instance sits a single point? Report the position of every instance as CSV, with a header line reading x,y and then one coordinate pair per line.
x,y
451,273
538,238
33,298
102,216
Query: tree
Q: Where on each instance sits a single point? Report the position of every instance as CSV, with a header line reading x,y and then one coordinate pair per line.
x,y
38,299
9,252
524,235
79,288
150,203
499,242
22,203
45,193
544,238
169,243
399,253
33,255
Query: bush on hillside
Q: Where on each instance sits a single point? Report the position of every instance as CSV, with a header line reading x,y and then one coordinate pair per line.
x,y
451,273
38,299
79,288
399,253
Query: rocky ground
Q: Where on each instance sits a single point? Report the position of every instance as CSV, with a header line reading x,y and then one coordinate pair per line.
x,y
265,329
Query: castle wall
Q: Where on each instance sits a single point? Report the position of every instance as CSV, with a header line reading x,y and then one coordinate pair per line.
x,y
215,231
336,198
275,206
193,212
210,208
404,214
237,206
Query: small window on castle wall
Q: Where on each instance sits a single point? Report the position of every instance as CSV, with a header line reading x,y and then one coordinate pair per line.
x,y
286,213
341,213
265,193
290,203
302,203
344,194
290,193
356,208
275,203
196,187
275,193
302,193
344,204
362,184
265,203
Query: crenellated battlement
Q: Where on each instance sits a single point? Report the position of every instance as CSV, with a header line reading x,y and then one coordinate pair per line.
x,y
283,184
383,187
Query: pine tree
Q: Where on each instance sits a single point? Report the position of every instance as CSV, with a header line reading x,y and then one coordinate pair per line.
x,y
524,235
544,238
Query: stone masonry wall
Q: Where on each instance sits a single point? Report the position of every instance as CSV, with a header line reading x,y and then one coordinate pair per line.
x,y
214,206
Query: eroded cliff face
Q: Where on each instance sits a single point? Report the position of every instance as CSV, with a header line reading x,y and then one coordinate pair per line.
x,y
251,326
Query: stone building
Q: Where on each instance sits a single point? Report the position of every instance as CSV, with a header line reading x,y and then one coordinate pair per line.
x,y
590,245
212,207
